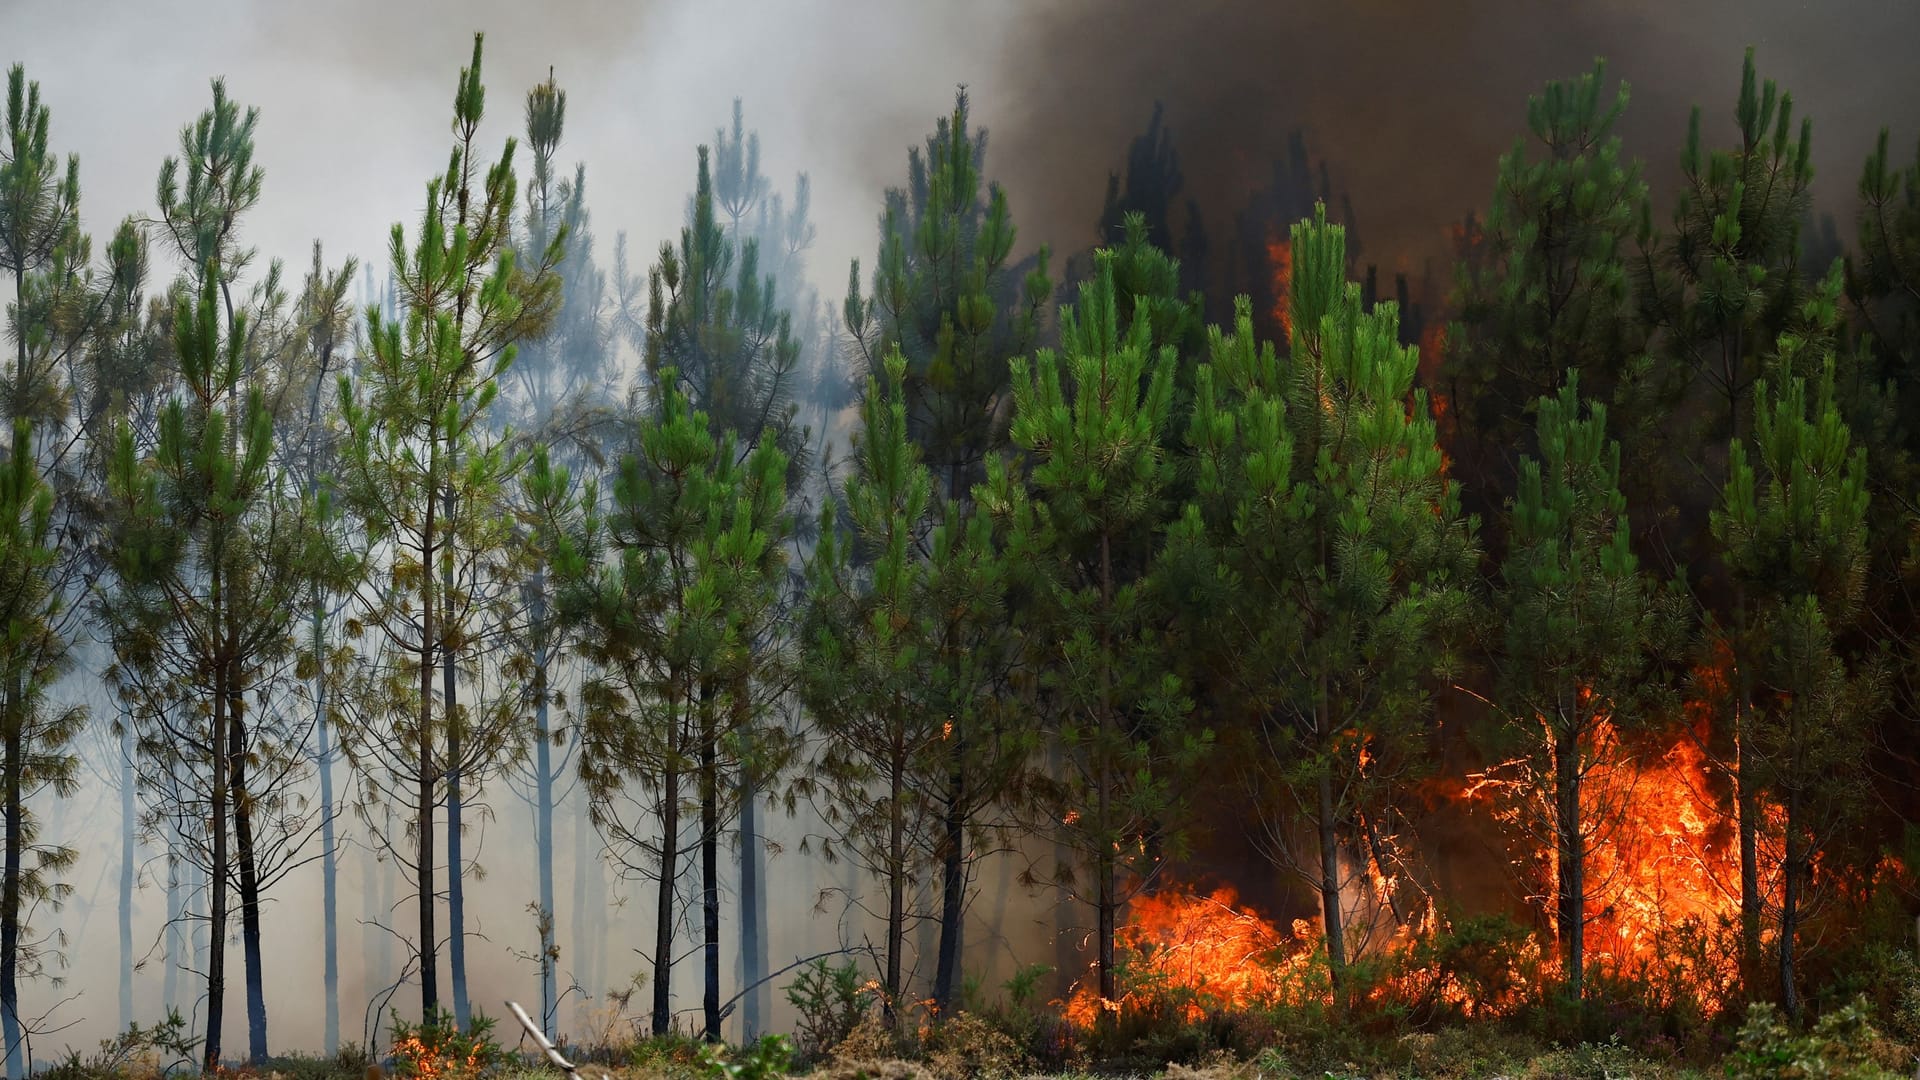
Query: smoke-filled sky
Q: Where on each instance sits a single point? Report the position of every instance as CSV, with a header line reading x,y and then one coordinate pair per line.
x,y
1409,101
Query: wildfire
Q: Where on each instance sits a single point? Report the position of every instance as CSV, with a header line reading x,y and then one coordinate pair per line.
x,y
423,1061
1280,258
1203,952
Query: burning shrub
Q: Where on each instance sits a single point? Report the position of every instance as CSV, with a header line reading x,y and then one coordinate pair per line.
x,y
1487,966
438,1050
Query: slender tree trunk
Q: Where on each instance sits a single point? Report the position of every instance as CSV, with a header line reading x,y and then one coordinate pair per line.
x,y
329,852
1570,851
710,865
456,850
953,875
1791,877
1106,900
585,862
249,881
10,885
1747,803
753,905
13,717
129,852
176,936
1330,889
896,884
423,806
217,821
663,924
543,804
953,847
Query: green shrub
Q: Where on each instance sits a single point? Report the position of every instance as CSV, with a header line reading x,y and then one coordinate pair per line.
x,y
831,1000
1888,976
1842,1046
152,1050
768,1058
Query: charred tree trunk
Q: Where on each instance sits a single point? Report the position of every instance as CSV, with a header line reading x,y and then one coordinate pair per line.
x,y
663,925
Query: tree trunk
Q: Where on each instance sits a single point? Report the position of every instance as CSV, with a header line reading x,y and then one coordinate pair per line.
x,y
953,876
1570,851
176,936
1747,802
456,848
249,882
128,854
423,805
753,909
217,821
1330,890
663,924
10,885
329,852
1791,876
1106,902
543,805
896,887
710,865
586,905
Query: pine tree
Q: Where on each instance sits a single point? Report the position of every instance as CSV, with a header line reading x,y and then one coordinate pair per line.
x,y
1093,419
899,642
692,540
424,471
1554,291
762,359
1584,629
1342,551
1719,292
944,293
324,319
1793,524
42,250
714,321
211,546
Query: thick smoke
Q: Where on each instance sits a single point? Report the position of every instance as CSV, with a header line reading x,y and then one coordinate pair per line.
x,y
1408,102
1411,103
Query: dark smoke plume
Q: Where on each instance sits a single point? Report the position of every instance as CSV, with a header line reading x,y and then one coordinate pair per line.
x,y
1410,102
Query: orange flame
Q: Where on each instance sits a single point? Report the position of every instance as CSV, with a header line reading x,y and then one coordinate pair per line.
x,y
1280,258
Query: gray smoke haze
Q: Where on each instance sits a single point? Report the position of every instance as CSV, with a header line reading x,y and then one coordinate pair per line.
x,y
1412,101
1409,102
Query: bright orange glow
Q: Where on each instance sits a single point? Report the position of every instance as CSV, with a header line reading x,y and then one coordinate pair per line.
x,y
1280,259
1208,952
